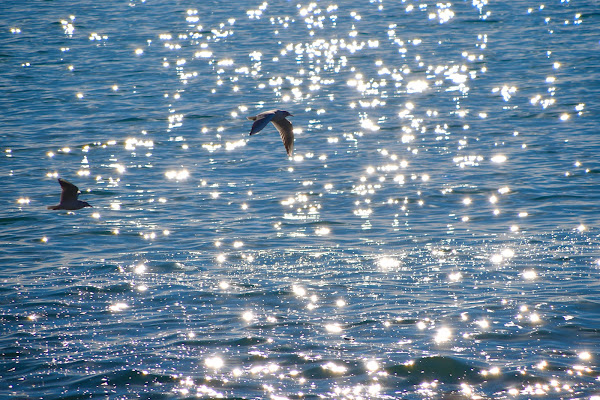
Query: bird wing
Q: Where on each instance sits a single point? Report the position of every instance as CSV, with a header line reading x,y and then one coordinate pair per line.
x,y
69,191
260,121
287,133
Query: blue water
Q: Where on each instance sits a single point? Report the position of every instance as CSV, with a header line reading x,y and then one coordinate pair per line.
x,y
435,235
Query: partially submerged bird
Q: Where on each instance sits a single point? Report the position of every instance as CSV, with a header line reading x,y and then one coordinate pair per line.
x,y
277,117
68,197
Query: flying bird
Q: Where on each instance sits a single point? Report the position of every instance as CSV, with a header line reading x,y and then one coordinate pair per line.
x,y
277,118
68,197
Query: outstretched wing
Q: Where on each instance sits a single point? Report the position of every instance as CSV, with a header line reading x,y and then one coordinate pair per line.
x,y
287,134
260,121
69,191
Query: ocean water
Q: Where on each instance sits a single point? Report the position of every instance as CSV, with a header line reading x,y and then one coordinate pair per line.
x,y
436,234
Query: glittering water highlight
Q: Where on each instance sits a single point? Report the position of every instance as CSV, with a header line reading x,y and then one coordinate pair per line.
x,y
435,234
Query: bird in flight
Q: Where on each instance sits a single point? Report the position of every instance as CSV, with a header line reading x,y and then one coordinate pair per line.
x,y
68,197
277,118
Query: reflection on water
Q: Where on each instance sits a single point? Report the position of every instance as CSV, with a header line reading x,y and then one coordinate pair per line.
x,y
435,234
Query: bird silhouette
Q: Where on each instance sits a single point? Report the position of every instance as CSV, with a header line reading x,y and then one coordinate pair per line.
x,y
68,197
277,118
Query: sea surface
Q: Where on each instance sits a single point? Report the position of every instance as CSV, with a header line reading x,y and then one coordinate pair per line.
x,y
436,234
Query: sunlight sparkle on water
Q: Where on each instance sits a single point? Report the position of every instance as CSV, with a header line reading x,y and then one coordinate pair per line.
x,y
140,269
507,253
497,258
179,175
148,236
529,274
117,307
585,355
372,365
368,124
498,159
333,328
387,263
248,316
224,285
214,362
483,323
417,86
443,335
455,277
335,368
299,290
322,231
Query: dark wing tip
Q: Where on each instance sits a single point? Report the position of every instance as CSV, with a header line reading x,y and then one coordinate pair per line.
x,y
69,191
64,182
